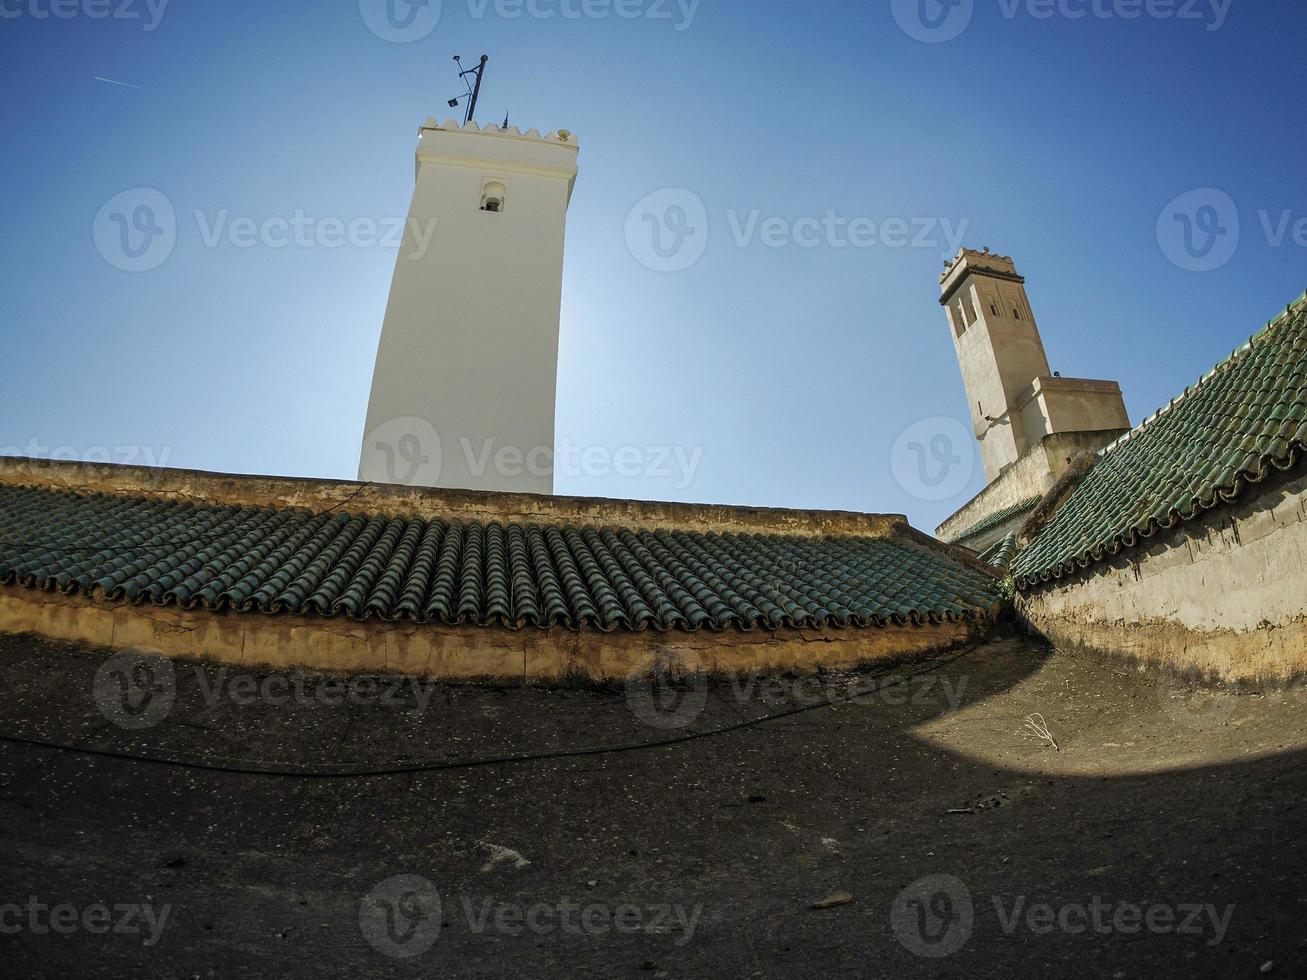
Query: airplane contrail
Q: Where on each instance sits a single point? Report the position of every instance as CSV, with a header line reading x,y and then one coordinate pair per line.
x,y
113,81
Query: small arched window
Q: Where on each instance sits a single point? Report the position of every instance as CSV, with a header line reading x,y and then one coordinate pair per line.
x,y
493,197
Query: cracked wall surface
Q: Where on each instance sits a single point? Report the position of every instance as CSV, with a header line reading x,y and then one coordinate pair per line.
x,y
1222,595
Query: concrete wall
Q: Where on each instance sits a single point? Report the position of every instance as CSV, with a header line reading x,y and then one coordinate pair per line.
x,y
1033,475
1225,595
464,387
1072,405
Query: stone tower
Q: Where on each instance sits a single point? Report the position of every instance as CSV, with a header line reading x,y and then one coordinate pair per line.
x,y
466,371
1015,399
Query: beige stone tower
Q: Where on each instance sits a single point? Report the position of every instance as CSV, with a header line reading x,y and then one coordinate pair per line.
x,y
1015,399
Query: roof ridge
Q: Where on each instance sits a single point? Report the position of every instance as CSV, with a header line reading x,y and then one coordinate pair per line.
x,y
1299,305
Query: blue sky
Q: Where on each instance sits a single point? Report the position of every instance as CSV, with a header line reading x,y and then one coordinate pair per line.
x,y
787,372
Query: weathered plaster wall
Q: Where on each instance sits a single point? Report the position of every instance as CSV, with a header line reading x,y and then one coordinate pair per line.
x,y
397,501
1052,405
1225,595
457,653
1032,475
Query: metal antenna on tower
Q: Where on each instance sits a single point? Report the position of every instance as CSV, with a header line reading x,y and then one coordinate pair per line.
x,y
473,92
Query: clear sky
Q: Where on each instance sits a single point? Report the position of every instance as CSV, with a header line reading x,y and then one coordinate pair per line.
x,y
786,365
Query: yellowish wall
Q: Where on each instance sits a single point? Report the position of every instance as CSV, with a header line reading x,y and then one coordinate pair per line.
x,y
1225,595
456,653
393,501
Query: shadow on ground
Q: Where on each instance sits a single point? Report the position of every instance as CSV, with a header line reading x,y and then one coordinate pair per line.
x,y
1161,837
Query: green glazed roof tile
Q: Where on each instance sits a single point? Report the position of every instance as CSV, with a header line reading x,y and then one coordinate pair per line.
x,y
1244,421
994,520
274,561
1001,552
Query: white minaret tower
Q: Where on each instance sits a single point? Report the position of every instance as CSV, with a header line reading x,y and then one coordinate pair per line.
x,y
466,373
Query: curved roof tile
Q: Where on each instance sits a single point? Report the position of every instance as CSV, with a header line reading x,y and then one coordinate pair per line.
x,y
1244,421
275,561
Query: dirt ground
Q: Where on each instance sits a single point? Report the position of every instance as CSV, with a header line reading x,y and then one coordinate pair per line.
x,y
920,829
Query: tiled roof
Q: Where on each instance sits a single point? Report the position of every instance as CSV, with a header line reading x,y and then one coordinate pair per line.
x,y
271,560
1244,421
1001,552
994,520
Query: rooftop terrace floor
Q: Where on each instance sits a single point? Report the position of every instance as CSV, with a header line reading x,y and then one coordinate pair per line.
x,y
1158,795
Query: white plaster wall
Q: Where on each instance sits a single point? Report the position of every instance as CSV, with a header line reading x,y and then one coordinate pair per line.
x,y
469,348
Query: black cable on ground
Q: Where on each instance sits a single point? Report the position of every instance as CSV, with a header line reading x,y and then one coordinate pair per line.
x,y
255,769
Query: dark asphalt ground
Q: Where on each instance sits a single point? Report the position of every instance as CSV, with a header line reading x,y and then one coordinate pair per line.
x,y
1163,837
